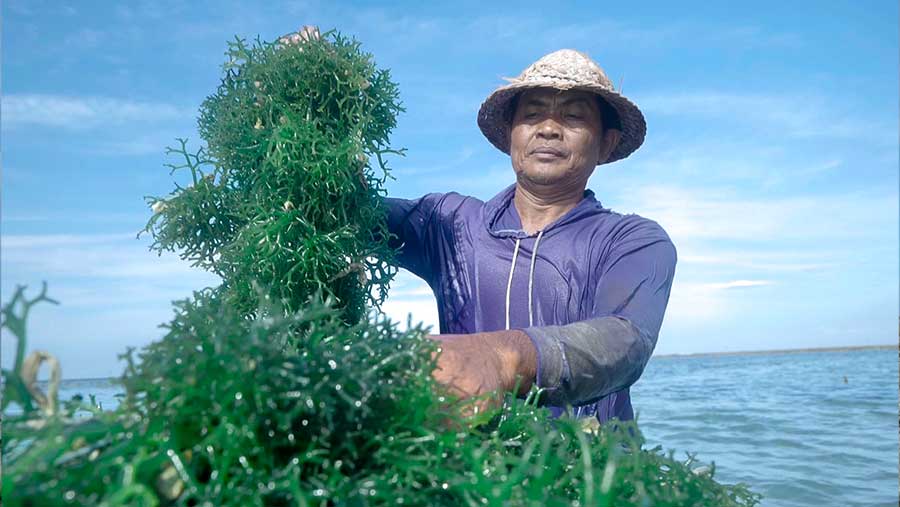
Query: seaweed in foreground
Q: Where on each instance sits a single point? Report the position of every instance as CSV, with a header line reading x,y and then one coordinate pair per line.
x,y
276,388
230,411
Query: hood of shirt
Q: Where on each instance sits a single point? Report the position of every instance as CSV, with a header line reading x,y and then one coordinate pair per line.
x,y
502,220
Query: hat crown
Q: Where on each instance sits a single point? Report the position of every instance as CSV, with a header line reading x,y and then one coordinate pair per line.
x,y
565,68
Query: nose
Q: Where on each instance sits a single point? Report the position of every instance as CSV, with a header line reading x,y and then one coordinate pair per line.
x,y
549,129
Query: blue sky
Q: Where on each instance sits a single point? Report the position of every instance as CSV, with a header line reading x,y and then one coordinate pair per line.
x,y
771,156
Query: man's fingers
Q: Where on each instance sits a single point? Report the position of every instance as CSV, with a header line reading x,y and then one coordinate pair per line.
x,y
309,32
481,406
305,34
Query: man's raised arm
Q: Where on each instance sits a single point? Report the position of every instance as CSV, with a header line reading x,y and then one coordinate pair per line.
x,y
412,224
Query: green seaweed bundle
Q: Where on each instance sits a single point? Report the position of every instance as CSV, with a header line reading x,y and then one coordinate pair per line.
x,y
279,387
230,411
287,192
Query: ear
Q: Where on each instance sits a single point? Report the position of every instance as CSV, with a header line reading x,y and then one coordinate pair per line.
x,y
608,144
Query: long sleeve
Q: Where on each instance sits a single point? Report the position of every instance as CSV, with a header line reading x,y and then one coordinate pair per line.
x,y
581,362
418,227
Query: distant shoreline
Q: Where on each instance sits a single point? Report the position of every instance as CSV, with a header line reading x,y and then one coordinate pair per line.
x,y
853,348
666,356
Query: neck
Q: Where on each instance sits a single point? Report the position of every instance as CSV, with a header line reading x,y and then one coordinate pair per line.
x,y
540,207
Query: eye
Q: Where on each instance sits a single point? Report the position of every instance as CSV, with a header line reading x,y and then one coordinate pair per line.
x,y
574,116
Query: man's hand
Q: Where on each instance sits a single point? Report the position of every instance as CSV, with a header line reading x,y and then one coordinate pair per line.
x,y
485,365
305,34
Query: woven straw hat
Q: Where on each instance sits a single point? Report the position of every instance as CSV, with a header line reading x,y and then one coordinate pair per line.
x,y
565,69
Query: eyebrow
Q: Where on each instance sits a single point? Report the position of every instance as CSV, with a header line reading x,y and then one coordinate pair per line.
x,y
534,101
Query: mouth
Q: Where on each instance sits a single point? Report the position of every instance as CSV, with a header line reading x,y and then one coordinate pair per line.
x,y
547,152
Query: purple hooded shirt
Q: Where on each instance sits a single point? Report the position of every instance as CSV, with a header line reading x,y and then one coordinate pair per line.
x,y
590,290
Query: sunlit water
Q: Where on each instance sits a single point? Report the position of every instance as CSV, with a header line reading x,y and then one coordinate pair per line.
x,y
788,425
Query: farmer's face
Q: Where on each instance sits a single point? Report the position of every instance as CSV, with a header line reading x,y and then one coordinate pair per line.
x,y
557,137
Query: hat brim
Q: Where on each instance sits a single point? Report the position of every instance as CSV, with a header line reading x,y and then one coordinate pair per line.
x,y
494,120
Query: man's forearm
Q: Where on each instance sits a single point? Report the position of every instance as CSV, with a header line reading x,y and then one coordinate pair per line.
x,y
519,358
584,361
473,365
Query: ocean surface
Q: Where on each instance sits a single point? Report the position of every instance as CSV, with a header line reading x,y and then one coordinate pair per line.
x,y
789,425
803,428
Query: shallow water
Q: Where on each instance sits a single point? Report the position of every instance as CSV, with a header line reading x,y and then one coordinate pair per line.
x,y
785,424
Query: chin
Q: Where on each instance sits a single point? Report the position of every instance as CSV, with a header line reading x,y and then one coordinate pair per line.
x,y
545,180
544,176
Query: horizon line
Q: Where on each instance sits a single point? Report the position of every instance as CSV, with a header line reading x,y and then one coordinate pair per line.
x,y
847,348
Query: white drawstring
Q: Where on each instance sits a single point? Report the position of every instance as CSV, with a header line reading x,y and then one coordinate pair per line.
x,y
531,280
509,284
512,269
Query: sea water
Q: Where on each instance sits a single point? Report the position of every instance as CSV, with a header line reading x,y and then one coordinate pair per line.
x,y
810,429
803,429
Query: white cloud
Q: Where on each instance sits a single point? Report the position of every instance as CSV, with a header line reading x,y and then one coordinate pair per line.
x,y
739,284
411,300
408,286
748,161
73,112
525,29
697,303
721,233
69,218
144,144
759,260
34,241
787,115
725,214
423,310
91,256
87,339
693,303
419,292
112,291
401,26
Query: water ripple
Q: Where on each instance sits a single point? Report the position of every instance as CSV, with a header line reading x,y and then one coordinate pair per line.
x,y
788,425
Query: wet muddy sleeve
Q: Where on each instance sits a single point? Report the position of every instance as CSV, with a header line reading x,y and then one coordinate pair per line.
x,y
581,362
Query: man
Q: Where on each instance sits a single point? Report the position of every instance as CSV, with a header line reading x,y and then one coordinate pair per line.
x,y
541,284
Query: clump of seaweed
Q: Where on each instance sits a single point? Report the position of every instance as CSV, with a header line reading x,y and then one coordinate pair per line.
x,y
286,194
274,389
